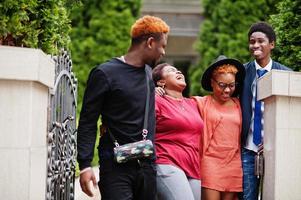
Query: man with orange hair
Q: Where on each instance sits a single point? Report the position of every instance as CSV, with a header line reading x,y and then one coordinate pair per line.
x,y
117,90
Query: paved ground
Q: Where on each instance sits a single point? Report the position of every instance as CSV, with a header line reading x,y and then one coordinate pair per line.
x,y
79,195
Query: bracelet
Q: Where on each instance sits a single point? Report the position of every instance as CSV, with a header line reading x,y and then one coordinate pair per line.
x,y
84,170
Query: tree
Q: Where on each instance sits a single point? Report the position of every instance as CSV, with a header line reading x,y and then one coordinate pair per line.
x,y
224,31
43,24
287,24
100,31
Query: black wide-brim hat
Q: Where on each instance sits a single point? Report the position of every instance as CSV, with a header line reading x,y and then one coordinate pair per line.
x,y
221,60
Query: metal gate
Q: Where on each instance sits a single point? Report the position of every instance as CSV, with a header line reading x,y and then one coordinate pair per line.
x,y
61,149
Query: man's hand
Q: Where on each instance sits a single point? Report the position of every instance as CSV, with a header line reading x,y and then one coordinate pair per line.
x,y
85,179
159,91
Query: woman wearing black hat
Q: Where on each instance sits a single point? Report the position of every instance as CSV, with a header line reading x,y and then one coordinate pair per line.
x,y
221,168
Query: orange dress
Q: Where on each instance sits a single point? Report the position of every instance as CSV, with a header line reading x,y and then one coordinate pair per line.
x,y
221,167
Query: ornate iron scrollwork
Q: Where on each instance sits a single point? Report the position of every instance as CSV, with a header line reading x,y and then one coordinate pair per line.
x,y
61,150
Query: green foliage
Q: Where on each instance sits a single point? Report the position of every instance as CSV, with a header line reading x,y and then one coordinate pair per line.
x,y
35,23
224,31
100,31
287,24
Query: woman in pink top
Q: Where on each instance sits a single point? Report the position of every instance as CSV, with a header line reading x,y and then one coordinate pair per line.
x,y
177,140
221,167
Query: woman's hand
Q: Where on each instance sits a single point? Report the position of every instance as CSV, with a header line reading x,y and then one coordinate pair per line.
x,y
159,91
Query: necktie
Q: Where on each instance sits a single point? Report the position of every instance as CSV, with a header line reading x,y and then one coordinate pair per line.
x,y
258,114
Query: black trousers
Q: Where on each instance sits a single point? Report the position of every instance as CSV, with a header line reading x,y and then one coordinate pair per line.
x,y
133,180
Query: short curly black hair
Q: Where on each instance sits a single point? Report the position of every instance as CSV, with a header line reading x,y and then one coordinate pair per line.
x,y
157,72
264,28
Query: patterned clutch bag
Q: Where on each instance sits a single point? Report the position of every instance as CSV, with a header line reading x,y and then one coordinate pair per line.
x,y
135,150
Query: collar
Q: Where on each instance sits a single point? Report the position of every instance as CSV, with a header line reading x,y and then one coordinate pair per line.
x,y
121,58
268,67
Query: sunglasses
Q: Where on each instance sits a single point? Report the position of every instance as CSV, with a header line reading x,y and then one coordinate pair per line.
x,y
223,86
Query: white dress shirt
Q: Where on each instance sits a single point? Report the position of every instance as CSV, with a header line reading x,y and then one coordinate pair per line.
x,y
249,143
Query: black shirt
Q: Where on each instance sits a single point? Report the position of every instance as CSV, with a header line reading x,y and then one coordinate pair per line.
x,y
117,92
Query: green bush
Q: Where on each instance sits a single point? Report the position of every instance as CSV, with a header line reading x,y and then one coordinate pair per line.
x,y
43,24
287,24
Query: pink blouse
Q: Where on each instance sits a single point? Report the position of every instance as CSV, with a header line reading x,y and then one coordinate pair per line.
x,y
178,132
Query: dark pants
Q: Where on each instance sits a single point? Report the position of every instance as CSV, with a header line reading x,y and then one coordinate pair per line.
x,y
134,180
250,181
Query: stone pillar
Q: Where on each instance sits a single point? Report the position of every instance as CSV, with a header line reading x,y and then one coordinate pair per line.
x,y
281,93
25,78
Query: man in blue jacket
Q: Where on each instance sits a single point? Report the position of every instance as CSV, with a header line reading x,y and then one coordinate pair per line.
x,y
262,40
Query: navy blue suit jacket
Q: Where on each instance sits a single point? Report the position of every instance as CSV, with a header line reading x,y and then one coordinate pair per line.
x,y
247,95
